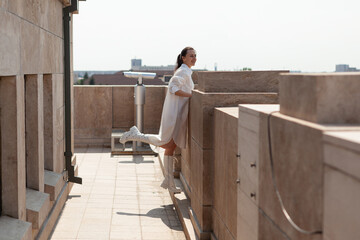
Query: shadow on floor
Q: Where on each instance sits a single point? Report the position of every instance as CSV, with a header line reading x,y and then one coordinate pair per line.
x,y
73,196
137,160
161,213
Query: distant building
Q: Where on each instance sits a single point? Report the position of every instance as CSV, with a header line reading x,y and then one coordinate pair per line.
x,y
136,65
345,68
162,78
80,74
163,75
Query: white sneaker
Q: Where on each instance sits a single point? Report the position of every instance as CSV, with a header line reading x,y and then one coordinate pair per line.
x,y
130,135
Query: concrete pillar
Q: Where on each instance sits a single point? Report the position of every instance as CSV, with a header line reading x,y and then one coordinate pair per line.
x,y
48,122
12,106
34,125
53,91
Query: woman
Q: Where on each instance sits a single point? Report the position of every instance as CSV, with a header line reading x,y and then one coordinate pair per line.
x,y
173,125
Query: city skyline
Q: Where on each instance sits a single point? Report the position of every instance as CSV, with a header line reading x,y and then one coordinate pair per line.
x,y
307,36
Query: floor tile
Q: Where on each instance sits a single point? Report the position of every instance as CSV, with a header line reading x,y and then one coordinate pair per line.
x,y
120,198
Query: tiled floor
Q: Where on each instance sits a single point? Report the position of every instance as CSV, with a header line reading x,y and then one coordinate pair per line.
x,y
120,198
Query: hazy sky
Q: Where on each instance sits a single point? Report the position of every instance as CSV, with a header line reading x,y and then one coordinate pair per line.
x,y
307,35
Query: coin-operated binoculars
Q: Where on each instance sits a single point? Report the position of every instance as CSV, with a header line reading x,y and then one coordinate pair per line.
x,y
139,95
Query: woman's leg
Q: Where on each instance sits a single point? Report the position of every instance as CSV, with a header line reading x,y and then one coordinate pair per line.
x,y
168,165
169,148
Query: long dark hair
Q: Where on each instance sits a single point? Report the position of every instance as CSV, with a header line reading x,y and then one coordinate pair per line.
x,y
183,53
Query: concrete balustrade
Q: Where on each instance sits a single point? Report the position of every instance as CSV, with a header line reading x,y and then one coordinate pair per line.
x,y
245,81
297,158
341,185
321,98
224,214
99,109
310,173
198,159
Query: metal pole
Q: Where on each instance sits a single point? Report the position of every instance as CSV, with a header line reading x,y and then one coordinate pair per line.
x,y
139,95
139,106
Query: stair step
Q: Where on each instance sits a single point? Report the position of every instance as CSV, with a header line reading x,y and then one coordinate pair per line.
x,y
54,182
182,205
11,228
37,207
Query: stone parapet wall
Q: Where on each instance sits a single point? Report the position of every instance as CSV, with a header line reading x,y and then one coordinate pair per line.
x,y
224,216
315,161
341,185
321,98
244,81
100,109
215,89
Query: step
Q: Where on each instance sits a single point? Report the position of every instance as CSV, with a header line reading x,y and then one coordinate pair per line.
x,y
11,228
54,213
54,182
182,204
37,207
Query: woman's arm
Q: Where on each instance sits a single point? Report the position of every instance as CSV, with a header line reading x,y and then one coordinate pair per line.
x,y
181,93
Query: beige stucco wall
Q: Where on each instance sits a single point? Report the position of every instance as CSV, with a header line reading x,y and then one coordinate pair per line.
x,y
100,109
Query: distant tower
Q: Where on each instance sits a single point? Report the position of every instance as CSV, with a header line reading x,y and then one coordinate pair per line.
x,y
135,64
215,66
342,68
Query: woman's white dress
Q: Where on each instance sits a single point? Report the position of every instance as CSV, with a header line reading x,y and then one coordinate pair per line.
x,y
175,110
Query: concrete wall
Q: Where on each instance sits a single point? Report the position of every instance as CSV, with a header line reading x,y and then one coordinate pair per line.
x,y
321,98
314,143
314,164
31,116
99,109
341,185
224,214
216,89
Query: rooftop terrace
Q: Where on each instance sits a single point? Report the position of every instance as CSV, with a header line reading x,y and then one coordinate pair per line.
x,y
226,170
120,198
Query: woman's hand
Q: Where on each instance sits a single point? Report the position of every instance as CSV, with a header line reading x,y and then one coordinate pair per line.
x,y
181,93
